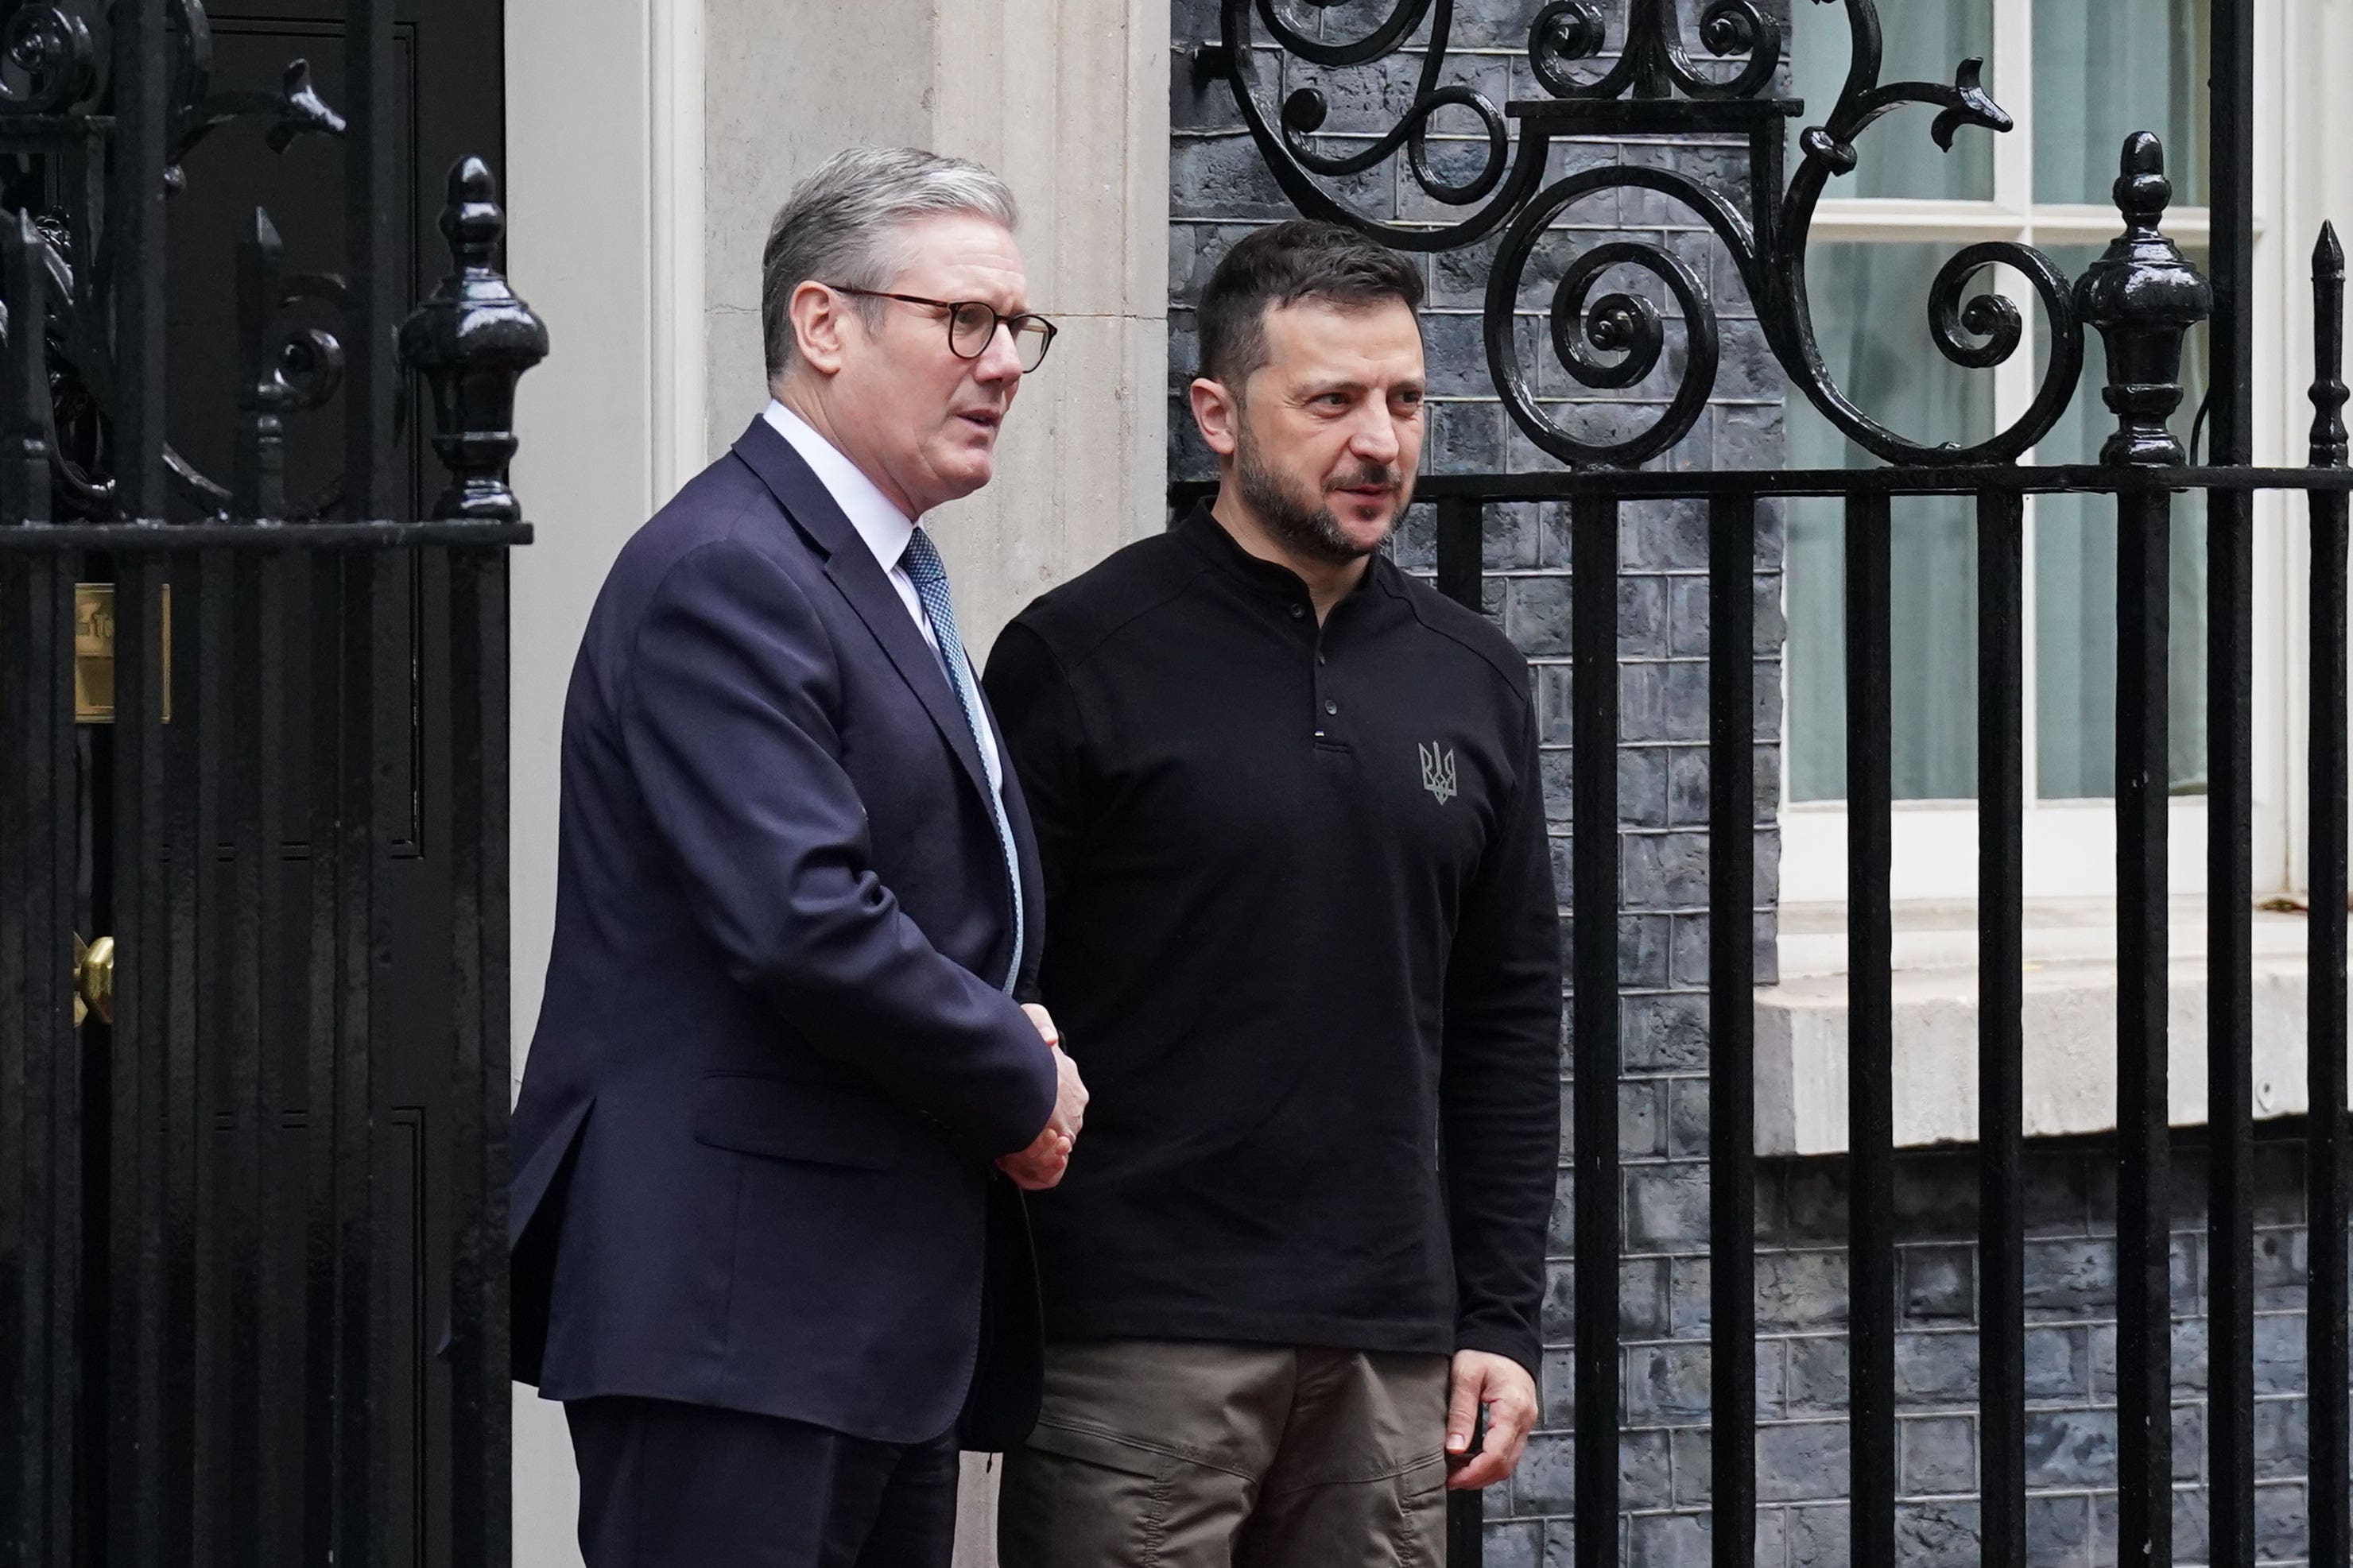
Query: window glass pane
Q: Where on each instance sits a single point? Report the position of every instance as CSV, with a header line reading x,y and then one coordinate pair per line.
x,y
1924,41
2106,69
2075,595
1871,318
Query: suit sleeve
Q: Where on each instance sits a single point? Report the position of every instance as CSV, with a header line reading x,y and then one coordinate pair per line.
x,y
725,718
1031,697
1499,1089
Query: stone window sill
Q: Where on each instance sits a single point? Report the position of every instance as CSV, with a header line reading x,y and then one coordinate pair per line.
x,y
2069,1084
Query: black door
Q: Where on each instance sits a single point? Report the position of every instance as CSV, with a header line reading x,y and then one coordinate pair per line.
x,y
270,1185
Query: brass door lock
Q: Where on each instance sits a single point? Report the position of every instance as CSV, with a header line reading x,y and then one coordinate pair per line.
x,y
93,980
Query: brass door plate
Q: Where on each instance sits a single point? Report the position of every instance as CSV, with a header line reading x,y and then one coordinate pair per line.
x,y
94,653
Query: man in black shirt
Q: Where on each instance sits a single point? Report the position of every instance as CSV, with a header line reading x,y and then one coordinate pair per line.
x,y
1302,939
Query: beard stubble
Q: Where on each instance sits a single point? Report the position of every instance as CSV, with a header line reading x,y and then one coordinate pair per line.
x,y
1305,523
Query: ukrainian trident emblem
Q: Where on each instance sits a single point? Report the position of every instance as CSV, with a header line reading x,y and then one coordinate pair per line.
x,y
1438,771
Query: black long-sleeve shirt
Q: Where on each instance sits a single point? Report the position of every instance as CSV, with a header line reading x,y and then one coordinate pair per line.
x,y
1301,938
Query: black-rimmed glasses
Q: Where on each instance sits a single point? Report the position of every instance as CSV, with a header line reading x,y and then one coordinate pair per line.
x,y
971,325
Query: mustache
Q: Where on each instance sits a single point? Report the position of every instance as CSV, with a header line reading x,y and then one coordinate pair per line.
x,y
1369,475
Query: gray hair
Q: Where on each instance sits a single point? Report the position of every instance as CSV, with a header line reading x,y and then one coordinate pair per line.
x,y
843,225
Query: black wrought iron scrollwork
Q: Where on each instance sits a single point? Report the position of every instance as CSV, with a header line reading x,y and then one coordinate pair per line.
x,y
1298,166
1652,60
1608,344
49,48
295,109
101,108
1647,78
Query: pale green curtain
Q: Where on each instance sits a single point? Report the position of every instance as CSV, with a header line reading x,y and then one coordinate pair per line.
x,y
1922,40
2102,69
2075,595
1871,318
2106,69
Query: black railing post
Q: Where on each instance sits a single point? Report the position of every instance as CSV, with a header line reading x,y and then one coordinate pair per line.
x,y
1731,1025
1460,552
2144,1150
1870,1094
1462,577
40,1101
1593,1018
2229,804
2001,1025
259,487
2143,295
481,1491
2328,1367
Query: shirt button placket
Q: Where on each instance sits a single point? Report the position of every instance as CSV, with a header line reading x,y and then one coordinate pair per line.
x,y
1315,675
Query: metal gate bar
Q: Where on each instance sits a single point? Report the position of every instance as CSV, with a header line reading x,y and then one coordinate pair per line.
x,y
1594,1013
2229,801
1870,1028
2230,1428
40,1082
480,1404
2144,1149
1732,936
2002,1027
2329,1369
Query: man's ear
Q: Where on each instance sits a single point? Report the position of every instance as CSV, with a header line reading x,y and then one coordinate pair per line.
x,y
818,327
1218,413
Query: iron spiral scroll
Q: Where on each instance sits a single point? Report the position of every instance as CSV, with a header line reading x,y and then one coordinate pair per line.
x,y
1636,74
66,134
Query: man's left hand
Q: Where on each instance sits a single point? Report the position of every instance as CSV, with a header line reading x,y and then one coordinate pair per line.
x,y
1504,1387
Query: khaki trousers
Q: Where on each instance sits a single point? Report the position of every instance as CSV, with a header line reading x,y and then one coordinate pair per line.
x,y
1151,1454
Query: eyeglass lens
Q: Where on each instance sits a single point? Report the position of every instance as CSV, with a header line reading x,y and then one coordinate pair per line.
x,y
972,326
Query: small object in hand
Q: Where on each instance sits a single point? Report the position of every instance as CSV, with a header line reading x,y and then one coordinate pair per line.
x,y
1478,1439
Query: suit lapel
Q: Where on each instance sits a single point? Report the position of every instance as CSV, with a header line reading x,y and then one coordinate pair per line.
x,y
853,569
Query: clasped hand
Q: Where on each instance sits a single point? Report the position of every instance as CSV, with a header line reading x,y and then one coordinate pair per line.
x,y
1042,1165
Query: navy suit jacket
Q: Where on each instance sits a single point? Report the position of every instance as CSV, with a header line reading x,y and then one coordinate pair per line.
x,y
752,1151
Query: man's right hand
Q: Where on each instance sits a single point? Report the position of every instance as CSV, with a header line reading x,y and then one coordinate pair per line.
x,y
1042,1165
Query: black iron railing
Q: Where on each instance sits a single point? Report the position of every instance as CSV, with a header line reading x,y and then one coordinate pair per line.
x,y
1637,73
252,1158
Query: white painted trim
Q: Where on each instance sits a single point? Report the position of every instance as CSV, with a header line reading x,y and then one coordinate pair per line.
x,y
1887,219
2013,89
2070,1018
2070,849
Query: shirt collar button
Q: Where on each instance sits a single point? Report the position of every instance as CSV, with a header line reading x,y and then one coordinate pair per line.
x,y
1298,612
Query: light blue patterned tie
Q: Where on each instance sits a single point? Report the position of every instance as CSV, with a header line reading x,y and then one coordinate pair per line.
x,y
930,576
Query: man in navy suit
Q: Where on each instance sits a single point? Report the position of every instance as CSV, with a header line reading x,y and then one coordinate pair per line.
x,y
759,1248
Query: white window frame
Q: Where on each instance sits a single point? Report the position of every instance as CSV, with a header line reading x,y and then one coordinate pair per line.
x,y
2070,844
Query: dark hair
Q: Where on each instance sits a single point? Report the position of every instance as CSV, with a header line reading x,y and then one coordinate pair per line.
x,y
1283,264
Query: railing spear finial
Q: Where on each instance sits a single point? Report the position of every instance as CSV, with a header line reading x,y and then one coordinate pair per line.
x,y
2329,390
257,488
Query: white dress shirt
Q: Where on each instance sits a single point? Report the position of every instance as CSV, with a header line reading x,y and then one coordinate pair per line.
x,y
886,530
